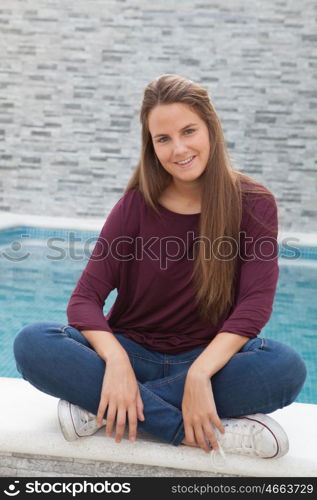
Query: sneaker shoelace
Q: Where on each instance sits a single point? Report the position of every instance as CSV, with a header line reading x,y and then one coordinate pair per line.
x,y
88,420
218,457
239,438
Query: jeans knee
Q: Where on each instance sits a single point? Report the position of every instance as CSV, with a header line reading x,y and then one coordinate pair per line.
x,y
298,371
25,345
301,370
22,344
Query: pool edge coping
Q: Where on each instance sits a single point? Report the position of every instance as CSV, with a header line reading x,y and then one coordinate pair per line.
x,y
95,224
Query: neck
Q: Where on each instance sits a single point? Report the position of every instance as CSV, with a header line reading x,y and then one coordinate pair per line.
x,y
190,192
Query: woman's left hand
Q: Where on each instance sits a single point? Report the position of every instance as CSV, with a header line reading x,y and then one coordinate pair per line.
x,y
199,411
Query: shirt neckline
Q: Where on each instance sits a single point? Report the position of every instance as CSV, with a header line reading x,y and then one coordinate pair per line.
x,y
164,209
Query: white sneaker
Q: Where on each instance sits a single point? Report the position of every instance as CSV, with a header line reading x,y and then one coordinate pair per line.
x,y
255,435
76,422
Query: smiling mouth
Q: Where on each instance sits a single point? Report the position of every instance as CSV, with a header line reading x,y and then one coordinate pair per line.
x,y
186,162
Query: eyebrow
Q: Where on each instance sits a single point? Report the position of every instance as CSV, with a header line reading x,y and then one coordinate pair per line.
x,y
186,126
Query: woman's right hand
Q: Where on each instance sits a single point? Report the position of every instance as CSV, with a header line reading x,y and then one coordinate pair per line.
x,y
120,394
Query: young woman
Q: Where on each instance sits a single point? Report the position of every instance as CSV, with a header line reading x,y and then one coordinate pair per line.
x,y
191,247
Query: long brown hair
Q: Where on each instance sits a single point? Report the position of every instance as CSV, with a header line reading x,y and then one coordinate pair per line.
x,y
222,191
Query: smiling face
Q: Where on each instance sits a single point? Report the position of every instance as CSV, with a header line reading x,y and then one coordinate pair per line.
x,y
181,141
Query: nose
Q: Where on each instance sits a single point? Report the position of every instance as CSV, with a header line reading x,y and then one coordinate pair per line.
x,y
179,149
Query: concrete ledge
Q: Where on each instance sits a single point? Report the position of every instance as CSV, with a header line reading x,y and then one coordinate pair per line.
x,y
28,465
30,430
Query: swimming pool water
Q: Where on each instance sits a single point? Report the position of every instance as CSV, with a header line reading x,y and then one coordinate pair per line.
x,y
38,274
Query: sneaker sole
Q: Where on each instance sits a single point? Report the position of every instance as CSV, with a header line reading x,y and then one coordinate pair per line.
x,y
66,421
275,429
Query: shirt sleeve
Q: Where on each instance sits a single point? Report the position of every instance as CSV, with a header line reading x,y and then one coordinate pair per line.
x,y
258,270
100,276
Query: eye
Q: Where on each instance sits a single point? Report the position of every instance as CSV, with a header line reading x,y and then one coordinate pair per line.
x,y
160,140
190,130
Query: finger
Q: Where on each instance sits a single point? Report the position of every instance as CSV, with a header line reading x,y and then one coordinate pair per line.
x,y
111,415
121,420
140,407
101,411
200,438
190,435
218,423
209,433
132,416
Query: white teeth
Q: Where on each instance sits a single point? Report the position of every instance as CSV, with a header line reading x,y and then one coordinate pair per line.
x,y
185,161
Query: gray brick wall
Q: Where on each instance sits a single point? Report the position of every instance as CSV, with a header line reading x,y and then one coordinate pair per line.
x,y
72,76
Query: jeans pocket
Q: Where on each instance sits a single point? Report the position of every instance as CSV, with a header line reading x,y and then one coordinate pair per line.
x,y
66,328
76,336
252,346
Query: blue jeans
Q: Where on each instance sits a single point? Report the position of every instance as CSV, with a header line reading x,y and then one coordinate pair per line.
x,y
57,359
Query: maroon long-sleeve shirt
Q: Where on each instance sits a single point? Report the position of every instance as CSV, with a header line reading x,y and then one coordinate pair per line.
x,y
149,261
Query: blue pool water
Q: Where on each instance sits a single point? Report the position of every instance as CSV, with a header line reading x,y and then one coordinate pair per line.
x,y
39,269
